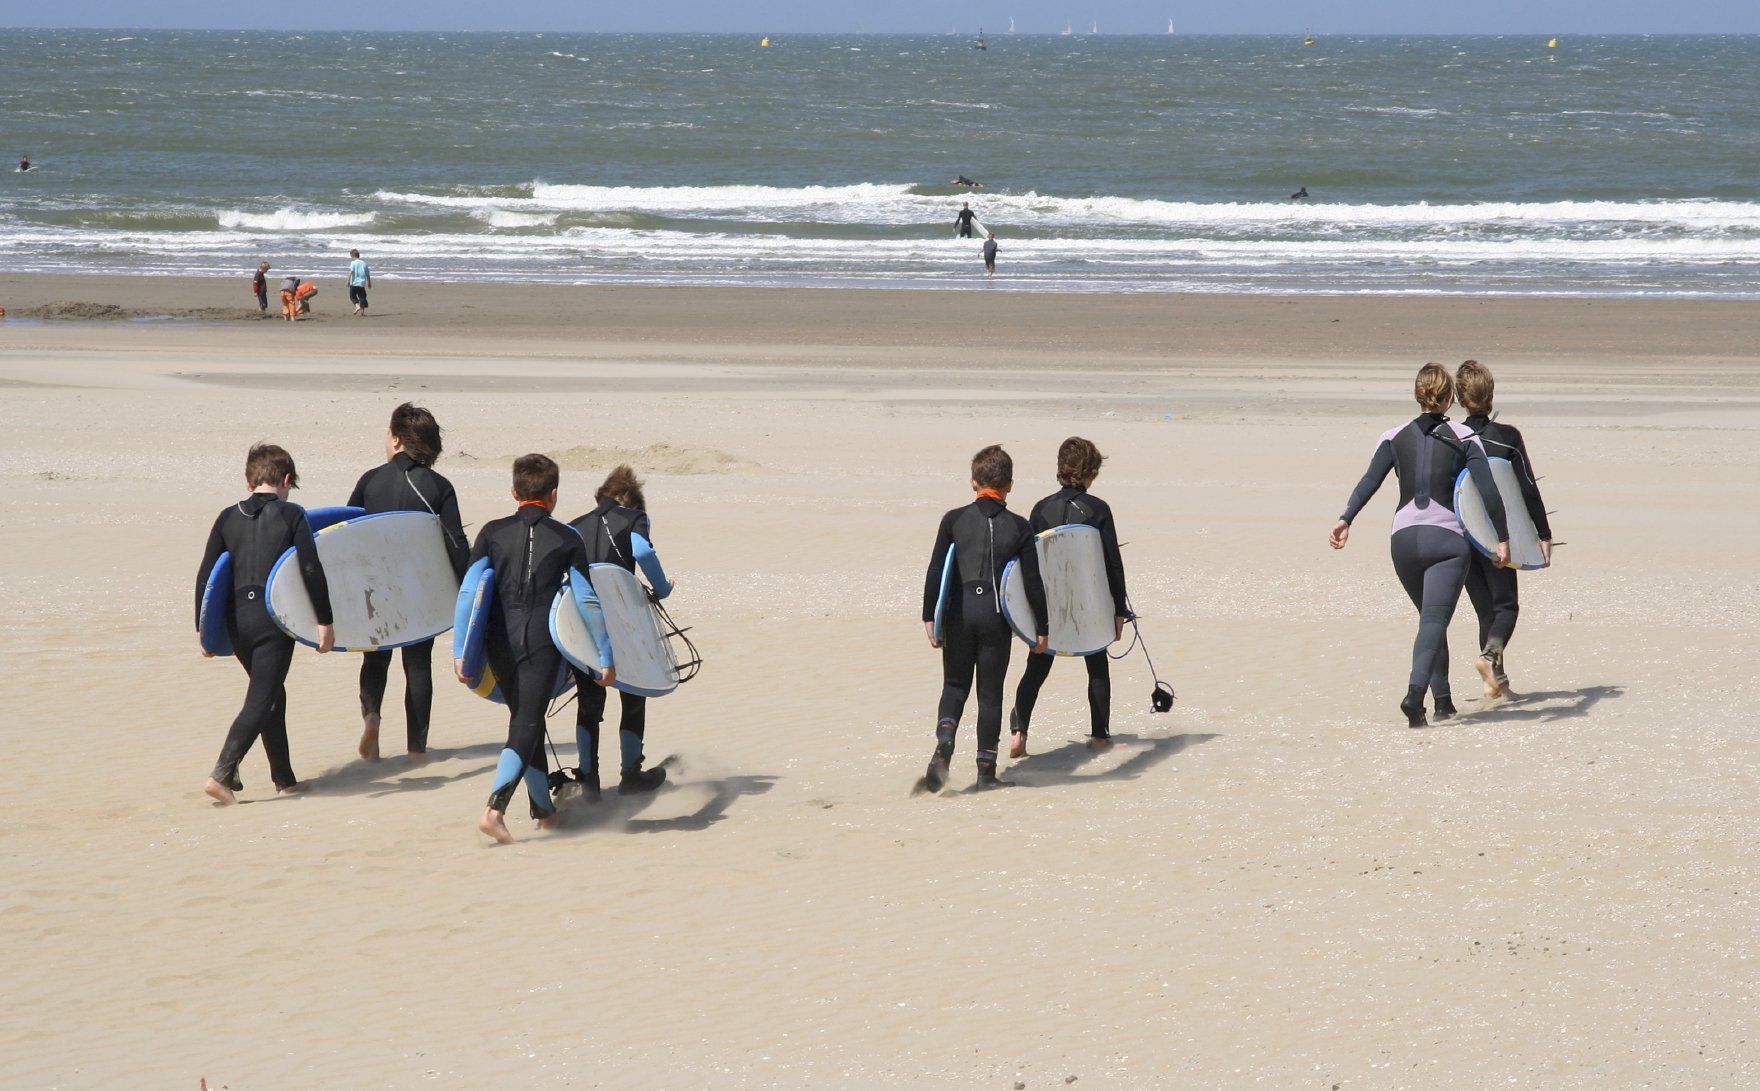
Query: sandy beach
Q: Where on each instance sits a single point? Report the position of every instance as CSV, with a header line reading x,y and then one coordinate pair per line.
x,y
1276,885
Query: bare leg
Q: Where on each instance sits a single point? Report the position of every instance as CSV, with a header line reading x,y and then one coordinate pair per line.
x,y
494,823
219,793
369,748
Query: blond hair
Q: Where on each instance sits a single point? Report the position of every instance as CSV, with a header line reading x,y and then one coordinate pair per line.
x,y
1474,386
1434,388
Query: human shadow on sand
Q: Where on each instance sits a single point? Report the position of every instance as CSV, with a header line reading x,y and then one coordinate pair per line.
x,y
1546,706
624,813
393,774
1066,765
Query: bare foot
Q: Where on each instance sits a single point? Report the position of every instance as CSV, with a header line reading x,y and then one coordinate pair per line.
x,y
419,757
369,748
1017,744
1099,744
1509,694
552,822
495,825
294,789
1488,675
219,793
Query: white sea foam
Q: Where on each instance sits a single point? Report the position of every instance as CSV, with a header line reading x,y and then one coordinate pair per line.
x,y
292,219
496,217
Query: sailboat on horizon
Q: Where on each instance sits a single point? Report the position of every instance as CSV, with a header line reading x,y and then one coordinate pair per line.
x,y
1096,29
1066,31
1170,26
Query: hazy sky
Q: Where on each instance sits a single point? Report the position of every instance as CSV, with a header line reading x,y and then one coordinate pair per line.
x,y
784,16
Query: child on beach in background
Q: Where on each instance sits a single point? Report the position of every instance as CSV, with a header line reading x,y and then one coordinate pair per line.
x,y
289,301
975,638
360,278
257,531
617,532
406,481
260,287
1492,590
531,553
1078,464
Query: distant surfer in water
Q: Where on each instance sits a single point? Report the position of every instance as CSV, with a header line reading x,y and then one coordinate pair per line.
x,y
1078,464
962,180
1492,590
24,163
962,223
990,255
1300,194
1430,553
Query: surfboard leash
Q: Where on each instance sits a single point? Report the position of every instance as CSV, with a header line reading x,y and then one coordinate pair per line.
x,y
693,662
1161,698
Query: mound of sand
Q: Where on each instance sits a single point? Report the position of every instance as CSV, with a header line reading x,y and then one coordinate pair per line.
x,y
658,458
71,311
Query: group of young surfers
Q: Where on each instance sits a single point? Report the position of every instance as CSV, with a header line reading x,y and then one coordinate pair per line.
x,y
1431,555
530,551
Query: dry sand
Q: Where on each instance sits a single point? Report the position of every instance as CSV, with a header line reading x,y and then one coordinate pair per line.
x,y
1275,885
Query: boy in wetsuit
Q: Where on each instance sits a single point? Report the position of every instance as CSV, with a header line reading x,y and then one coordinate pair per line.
x,y
257,531
962,223
985,536
406,481
1492,590
617,532
990,255
1078,464
531,553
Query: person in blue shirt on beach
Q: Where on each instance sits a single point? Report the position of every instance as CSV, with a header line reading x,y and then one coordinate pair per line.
x,y
360,278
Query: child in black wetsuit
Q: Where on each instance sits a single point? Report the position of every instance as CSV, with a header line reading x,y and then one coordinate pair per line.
x,y
531,553
617,532
975,636
257,531
406,481
1078,464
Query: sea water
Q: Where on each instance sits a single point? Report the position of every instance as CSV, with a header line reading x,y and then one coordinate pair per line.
x,y
1613,165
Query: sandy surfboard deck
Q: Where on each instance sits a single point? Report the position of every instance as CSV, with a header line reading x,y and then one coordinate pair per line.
x,y
1077,596
1469,508
391,583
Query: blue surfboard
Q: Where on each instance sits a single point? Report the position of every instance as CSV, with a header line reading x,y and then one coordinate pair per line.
x,y
215,638
942,598
470,635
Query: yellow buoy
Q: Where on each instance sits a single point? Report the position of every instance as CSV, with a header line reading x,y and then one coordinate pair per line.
x,y
1553,44
765,44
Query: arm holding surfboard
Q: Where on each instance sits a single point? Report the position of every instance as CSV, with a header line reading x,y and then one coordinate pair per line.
x,y
210,557
939,558
311,570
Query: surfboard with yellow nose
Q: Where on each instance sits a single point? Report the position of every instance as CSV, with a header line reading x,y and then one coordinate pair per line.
x,y
471,618
391,583
1078,599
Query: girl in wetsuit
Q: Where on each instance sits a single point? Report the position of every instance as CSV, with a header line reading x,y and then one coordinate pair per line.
x,y
975,638
257,531
406,481
1430,554
617,532
1492,590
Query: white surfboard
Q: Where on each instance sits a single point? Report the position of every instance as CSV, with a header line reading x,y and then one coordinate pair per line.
x,y
1077,596
639,648
391,583
1469,508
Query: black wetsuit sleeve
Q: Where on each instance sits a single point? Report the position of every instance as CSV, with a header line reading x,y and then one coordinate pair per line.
x,y
210,557
937,561
1114,562
311,569
1029,558
1379,466
1487,485
479,550
1530,487
452,525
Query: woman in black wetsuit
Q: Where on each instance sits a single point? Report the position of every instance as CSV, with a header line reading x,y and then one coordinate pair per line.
x,y
1430,553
